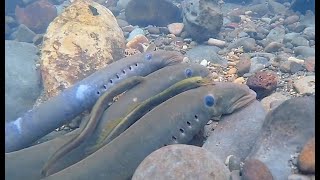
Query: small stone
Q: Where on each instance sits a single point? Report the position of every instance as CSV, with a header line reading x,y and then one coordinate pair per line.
x,y
239,80
216,42
175,28
304,51
181,161
122,23
233,163
232,71
309,32
298,177
305,85
294,59
129,28
309,63
135,32
204,63
258,63
267,101
24,34
214,75
300,41
153,30
248,44
254,169
290,67
136,42
164,30
37,39
267,20
306,160
291,19
263,83
243,66
273,47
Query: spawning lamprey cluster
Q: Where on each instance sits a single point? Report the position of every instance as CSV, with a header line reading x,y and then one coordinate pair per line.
x,y
166,102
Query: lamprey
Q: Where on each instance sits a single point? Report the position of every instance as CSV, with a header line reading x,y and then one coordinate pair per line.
x,y
149,104
176,120
103,102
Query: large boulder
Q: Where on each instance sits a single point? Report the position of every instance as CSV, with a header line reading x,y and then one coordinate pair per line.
x,y
22,79
152,12
202,18
82,39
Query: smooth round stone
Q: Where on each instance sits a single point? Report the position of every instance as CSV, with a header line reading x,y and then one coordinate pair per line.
x,y
175,28
236,133
285,131
181,161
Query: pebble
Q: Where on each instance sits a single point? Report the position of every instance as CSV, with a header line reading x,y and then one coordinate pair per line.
x,y
290,36
300,41
276,34
181,161
248,44
135,32
291,19
309,63
276,96
198,53
298,177
254,169
232,71
258,63
294,59
137,41
273,47
305,85
216,42
204,63
290,67
263,83
129,28
239,80
233,163
304,51
175,28
306,160
309,32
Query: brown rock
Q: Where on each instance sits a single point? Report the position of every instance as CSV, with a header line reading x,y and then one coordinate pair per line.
x,y
291,19
254,169
243,66
309,63
77,43
306,160
263,83
37,15
137,42
181,161
290,67
175,28
273,47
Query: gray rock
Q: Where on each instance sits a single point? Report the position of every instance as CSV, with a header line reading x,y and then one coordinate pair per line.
x,y
258,10
181,161
202,19
276,34
258,63
309,32
236,133
267,101
298,177
135,32
305,85
248,44
273,47
290,36
198,53
152,12
300,41
276,8
304,51
285,131
24,34
290,67
22,80
122,23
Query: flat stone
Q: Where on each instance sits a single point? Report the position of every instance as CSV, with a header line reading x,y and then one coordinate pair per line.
x,y
286,129
267,101
304,51
181,161
198,53
236,133
305,85
24,34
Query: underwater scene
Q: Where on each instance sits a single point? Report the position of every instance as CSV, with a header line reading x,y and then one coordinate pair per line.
x,y
160,89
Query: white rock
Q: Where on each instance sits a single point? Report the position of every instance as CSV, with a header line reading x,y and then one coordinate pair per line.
x,y
204,62
300,61
216,42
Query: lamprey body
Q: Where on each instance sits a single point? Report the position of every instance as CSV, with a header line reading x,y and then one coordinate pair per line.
x,y
176,120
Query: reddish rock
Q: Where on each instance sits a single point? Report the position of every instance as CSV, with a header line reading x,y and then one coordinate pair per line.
x,y
306,160
243,66
36,16
263,83
254,169
309,63
232,25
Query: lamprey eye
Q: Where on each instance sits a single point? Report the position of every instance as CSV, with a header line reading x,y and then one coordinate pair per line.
x,y
188,72
148,56
209,100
